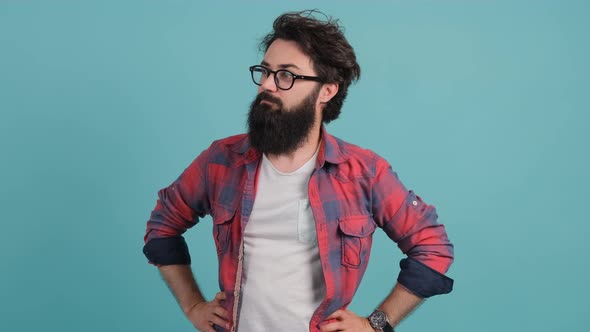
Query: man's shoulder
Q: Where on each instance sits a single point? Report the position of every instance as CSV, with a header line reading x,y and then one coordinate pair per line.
x,y
236,143
226,151
230,140
360,158
354,151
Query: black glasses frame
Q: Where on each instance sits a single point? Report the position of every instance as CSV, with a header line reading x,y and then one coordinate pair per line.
x,y
274,73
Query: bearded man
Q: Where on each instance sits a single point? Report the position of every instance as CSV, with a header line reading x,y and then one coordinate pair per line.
x,y
293,207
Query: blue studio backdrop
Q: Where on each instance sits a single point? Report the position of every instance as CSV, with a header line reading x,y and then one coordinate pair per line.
x,y
481,107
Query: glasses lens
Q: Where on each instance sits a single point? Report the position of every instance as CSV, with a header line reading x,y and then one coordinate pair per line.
x,y
258,74
284,79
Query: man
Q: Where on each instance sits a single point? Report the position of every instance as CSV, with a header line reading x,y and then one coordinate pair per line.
x,y
293,207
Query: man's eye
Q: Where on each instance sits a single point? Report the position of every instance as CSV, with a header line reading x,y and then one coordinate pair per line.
x,y
285,75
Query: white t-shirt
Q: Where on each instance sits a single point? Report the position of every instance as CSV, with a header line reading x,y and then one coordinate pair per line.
x,y
283,281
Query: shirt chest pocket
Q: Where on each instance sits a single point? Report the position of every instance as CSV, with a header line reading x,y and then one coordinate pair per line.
x,y
222,221
356,234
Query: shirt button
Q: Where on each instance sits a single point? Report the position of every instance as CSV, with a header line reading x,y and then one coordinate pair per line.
x,y
414,203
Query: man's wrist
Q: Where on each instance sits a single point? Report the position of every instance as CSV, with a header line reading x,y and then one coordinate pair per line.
x,y
193,305
379,321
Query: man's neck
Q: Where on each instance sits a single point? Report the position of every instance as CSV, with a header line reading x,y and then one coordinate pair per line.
x,y
291,162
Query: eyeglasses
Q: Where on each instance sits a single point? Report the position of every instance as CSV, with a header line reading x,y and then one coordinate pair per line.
x,y
284,79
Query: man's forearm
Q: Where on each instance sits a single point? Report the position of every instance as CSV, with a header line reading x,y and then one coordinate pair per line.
x,y
399,303
182,283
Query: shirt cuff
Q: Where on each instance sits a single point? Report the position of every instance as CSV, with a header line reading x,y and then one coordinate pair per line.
x,y
423,280
167,251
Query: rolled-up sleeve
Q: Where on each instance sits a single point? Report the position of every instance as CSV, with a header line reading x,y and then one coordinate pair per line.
x,y
413,225
178,208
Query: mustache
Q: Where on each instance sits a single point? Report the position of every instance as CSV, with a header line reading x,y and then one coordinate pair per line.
x,y
267,97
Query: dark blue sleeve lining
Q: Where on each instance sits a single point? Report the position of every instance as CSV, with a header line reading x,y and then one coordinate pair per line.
x,y
423,280
167,251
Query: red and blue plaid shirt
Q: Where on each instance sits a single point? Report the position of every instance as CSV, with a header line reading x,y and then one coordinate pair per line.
x,y
352,191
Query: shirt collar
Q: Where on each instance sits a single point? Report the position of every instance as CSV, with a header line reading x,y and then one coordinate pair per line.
x,y
330,149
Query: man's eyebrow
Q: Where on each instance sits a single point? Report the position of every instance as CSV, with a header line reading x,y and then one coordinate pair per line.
x,y
282,66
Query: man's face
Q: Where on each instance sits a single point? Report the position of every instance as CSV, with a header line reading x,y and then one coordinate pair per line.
x,y
283,54
279,121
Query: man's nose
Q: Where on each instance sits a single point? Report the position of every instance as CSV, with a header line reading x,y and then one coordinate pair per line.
x,y
269,84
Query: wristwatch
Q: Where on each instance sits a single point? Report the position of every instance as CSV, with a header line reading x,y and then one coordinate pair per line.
x,y
379,321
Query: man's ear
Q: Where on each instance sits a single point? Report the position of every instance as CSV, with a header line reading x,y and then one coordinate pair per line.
x,y
328,91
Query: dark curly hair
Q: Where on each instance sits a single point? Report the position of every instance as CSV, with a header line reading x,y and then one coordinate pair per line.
x,y
324,42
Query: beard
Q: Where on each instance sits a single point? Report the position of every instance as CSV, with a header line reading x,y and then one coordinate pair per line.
x,y
279,130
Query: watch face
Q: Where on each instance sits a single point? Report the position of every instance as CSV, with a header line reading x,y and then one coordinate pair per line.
x,y
378,319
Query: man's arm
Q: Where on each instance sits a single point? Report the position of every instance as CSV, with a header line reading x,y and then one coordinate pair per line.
x,y
179,207
201,313
412,224
399,304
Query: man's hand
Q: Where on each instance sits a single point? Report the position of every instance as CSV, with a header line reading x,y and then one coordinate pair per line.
x,y
204,314
346,321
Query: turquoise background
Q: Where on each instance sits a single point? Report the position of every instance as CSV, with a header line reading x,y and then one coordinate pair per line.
x,y
482,107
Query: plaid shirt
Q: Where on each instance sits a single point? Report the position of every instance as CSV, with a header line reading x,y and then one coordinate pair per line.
x,y
352,191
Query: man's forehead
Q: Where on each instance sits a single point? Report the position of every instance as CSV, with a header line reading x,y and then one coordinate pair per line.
x,y
280,65
285,54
